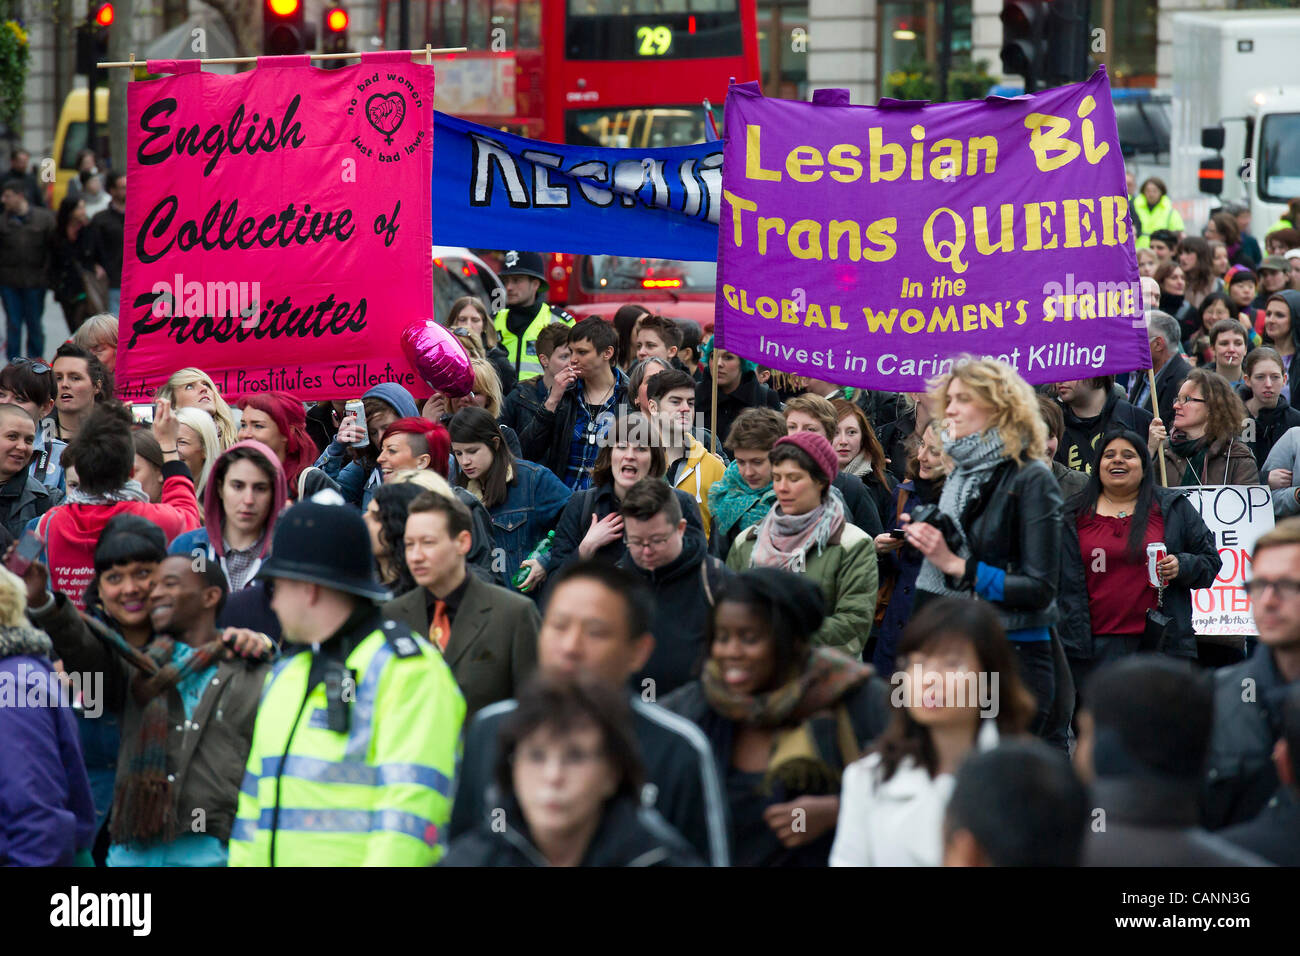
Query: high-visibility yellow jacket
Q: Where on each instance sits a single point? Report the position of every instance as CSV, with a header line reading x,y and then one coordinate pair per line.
x,y
379,794
522,350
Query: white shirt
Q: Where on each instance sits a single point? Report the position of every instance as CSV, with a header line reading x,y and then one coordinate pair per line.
x,y
897,822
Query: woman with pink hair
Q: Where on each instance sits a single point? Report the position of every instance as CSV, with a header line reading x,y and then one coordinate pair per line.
x,y
279,421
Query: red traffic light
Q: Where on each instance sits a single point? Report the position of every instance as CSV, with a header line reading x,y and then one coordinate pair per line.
x,y
104,15
283,8
337,20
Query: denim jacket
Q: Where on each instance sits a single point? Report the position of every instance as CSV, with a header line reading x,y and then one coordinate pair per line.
x,y
533,503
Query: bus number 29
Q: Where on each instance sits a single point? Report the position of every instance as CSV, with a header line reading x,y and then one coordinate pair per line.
x,y
655,41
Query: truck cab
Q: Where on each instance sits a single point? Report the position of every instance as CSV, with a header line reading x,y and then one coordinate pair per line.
x,y
1264,147
1228,98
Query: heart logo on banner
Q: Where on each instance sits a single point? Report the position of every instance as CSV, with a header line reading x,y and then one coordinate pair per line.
x,y
386,113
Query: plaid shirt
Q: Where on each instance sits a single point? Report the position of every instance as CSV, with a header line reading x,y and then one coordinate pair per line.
x,y
584,445
239,563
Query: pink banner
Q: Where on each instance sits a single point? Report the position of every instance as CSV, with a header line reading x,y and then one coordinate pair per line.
x,y
278,232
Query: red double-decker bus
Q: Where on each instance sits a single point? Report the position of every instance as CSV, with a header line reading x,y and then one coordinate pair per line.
x,y
628,73
624,73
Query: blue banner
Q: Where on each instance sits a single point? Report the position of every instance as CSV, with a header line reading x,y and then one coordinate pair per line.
x,y
494,190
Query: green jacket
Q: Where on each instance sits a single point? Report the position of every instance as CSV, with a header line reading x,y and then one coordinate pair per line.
x,y
846,572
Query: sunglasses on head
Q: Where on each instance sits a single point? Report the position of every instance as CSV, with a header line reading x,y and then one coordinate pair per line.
x,y
40,368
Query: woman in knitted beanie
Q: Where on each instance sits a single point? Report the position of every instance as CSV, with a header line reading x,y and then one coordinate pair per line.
x,y
806,532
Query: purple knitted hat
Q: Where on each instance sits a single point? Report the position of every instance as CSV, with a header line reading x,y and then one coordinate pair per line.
x,y
818,449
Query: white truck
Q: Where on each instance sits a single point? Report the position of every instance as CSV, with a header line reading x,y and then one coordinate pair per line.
x,y
1236,110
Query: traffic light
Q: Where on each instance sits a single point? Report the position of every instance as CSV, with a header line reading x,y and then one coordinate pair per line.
x,y
92,40
1024,39
284,32
335,35
1067,42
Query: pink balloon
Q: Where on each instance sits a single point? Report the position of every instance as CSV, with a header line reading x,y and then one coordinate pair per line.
x,y
439,359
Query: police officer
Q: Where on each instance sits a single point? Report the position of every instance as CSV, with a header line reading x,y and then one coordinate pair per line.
x,y
358,733
526,312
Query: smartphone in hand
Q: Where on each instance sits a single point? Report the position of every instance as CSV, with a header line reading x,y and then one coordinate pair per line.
x,y
28,550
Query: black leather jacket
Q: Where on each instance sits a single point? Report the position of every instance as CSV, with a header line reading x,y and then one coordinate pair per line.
x,y
1014,524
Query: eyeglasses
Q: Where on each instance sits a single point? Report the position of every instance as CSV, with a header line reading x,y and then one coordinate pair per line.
x,y
640,544
1285,588
1183,400
40,368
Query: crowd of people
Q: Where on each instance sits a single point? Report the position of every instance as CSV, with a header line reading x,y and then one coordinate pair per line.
x,y
583,615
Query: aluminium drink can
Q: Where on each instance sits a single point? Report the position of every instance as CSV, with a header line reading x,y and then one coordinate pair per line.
x,y
1155,554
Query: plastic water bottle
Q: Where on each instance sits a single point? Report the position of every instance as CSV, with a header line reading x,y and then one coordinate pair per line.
x,y
542,549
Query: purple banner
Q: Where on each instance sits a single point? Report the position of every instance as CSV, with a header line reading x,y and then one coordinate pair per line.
x,y
872,246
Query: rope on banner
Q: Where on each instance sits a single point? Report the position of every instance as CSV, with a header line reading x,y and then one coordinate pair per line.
x,y
427,53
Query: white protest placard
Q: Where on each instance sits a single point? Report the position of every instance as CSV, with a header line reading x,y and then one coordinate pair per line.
x,y
1237,515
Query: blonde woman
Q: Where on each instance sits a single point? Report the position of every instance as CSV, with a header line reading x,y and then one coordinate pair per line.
x,y
193,388
485,393
997,531
198,444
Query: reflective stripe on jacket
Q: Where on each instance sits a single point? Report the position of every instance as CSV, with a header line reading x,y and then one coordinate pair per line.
x,y
377,795
524,356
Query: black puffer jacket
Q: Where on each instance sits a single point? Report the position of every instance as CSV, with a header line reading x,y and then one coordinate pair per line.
x,y
1014,524
1185,536
628,835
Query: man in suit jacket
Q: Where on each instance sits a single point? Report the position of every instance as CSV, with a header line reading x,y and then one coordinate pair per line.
x,y
487,634
1171,368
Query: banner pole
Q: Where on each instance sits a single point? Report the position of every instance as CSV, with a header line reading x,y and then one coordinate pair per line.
x,y
1160,450
713,377
427,52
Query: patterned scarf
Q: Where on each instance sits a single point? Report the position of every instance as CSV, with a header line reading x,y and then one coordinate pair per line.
x,y
785,540
144,809
131,491
974,456
796,760
732,501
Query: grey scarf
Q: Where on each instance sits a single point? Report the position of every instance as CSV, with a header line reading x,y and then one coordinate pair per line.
x,y
975,456
859,467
